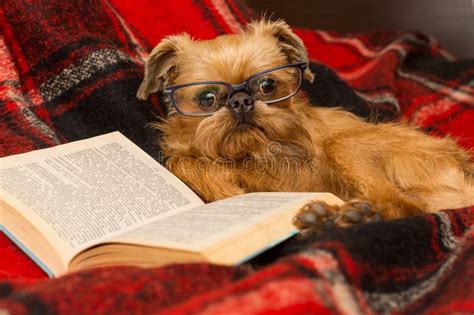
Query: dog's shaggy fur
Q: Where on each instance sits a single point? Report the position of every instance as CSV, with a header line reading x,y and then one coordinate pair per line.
x,y
291,145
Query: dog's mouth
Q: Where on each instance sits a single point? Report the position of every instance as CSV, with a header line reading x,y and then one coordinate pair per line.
x,y
243,126
223,136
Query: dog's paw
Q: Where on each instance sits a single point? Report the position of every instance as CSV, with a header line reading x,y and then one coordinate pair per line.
x,y
317,217
356,212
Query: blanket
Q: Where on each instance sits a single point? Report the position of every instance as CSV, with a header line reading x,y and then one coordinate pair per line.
x,y
70,70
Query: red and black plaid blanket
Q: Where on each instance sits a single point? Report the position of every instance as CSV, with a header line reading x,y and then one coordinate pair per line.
x,y
70,70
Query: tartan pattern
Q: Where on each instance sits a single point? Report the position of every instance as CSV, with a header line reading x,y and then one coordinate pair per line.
x,y
407,74
427,270
70,70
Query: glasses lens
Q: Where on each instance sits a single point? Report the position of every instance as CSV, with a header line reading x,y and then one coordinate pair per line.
x,y
201,98
276,85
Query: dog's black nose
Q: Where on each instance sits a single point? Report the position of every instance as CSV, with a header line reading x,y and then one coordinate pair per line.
x,y
241,106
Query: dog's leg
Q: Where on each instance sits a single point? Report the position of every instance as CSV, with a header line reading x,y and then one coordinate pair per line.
x,y
393,171
211,181
354,170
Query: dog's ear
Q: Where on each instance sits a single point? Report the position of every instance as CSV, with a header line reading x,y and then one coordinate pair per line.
x,y
289,42
161,64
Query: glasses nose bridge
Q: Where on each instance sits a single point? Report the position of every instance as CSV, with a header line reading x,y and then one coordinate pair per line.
x,y
239,88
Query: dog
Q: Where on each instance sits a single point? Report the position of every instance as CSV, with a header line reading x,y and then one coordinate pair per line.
x,y
237,124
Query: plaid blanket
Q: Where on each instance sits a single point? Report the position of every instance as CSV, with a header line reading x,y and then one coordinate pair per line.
x,y
70,70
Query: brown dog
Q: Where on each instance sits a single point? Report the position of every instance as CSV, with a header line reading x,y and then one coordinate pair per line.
x,y
234,129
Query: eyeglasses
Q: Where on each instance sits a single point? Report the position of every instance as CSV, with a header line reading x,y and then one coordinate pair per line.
x,y
206,97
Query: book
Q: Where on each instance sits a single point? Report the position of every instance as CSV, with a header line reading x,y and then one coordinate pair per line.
x,y
103,201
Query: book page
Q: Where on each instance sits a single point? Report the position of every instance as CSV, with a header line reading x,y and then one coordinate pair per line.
x,y
198,228
83,192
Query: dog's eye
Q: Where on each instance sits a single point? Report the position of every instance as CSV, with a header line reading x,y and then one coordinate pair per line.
x,y
267,86
206,99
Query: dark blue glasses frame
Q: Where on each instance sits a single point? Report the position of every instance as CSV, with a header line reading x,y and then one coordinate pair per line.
x,y
233,88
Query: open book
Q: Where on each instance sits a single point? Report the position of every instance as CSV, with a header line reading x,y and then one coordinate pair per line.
x,y
104,201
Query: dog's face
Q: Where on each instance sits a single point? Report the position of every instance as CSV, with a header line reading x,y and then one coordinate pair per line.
x,y
241,123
